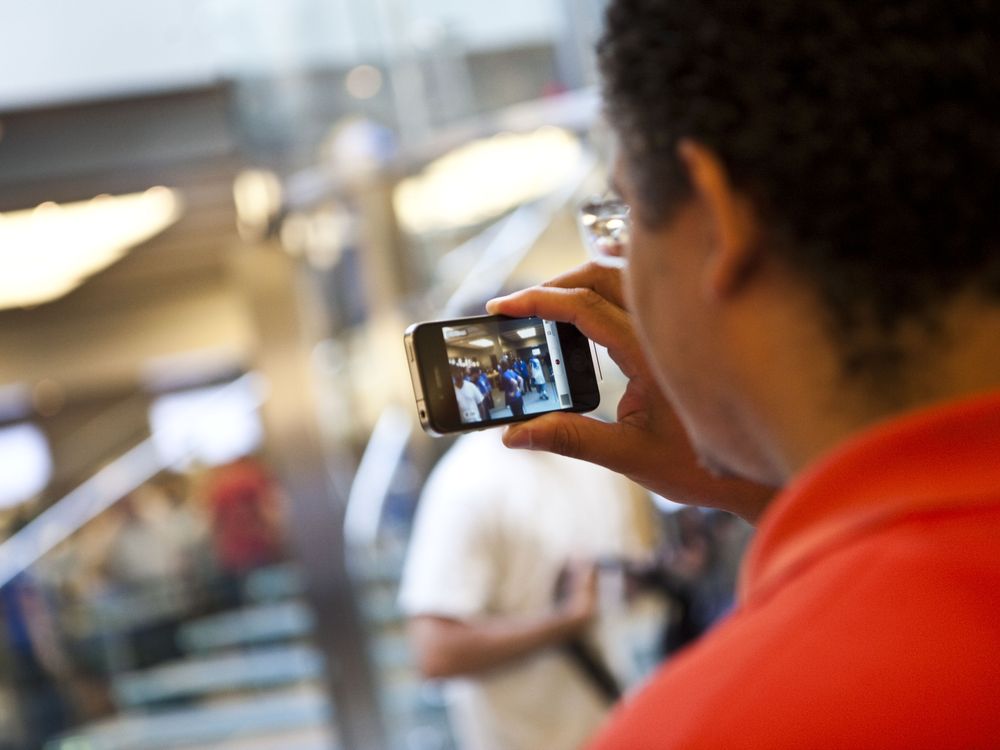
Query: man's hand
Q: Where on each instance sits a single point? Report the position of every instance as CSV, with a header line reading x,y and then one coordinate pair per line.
x,y
448,647
647,442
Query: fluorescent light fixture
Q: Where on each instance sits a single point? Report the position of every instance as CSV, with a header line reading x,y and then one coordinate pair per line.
x,y
48,251
526,333
454,333
481,343
483,179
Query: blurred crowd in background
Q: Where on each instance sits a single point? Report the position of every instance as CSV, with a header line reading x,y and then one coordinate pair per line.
x,y
112,596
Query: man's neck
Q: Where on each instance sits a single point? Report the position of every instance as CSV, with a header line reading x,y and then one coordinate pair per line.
x,y
956,360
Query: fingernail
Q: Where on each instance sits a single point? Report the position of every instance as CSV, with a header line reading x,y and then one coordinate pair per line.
x,y
492,305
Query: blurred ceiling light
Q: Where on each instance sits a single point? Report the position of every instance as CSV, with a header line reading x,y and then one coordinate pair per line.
x,y
25,464
363,81
257,194
48,251
485,178
526,333
481,343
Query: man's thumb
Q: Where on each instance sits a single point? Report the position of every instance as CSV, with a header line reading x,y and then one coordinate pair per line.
x,y
570,435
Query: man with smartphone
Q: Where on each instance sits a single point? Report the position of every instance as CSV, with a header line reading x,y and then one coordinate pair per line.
x,y
812,302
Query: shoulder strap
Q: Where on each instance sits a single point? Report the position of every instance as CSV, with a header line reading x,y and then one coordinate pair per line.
x,y
593,668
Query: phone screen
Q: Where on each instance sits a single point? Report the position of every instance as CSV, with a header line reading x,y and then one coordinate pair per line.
x,y
491,370
506,368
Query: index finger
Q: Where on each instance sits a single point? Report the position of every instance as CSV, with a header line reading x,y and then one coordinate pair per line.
x,y
604,280
597,318
607,282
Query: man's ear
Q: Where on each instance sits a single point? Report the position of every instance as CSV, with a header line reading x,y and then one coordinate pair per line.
x,y
734,226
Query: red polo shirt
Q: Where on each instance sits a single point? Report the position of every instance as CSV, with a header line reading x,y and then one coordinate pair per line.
x,y
869,612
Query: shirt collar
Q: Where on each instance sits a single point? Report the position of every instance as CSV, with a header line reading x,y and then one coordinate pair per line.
x,y
945,456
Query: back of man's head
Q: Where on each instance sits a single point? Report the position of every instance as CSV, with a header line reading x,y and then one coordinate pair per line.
x,y
866,135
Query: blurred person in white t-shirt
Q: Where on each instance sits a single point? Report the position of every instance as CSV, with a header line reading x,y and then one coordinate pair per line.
x,y
495,532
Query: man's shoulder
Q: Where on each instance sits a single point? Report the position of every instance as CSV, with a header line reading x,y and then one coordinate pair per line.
x,y
897,641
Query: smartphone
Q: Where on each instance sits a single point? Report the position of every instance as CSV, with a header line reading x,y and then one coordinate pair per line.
x,y
492,370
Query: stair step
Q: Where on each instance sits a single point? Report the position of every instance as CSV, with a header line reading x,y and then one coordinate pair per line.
x,y
249,625
282,581
264,720
199,676
317,738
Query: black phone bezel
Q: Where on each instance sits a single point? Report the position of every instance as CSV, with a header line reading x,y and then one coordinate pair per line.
x,y
434,371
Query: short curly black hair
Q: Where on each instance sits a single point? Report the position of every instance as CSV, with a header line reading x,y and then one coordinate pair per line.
x,y
866,133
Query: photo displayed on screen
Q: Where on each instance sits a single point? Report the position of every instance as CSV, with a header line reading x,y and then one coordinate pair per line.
x,y
508,368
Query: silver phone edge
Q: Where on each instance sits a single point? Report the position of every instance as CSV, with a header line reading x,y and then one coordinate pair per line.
x,y
418,389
